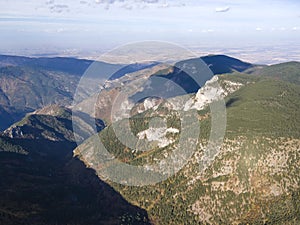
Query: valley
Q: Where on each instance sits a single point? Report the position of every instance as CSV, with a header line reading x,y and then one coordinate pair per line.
x,y
54,171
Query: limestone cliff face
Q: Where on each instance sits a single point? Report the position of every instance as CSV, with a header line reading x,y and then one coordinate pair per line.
x,y
214,89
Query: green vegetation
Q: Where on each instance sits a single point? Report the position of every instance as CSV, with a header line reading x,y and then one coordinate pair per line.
x,y
25,89
253,180
47,185
6,146
289,71
267,107
249,182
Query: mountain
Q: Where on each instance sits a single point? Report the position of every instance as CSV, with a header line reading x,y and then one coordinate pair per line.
x,y
284,71
190,75
72,65
27,84
67,65
53,123
58,189
43,184
155,82
221,64
9,115
24,89
152,80
254,178
131,68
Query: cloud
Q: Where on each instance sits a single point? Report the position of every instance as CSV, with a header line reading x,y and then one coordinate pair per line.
x,y
49,2
126,1
222,9
65,6
164,5
258,29
138,4
207,31
59,8
127,6
150,1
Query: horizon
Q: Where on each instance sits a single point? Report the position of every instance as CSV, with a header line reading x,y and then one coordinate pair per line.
x,y
258,32
149,112
108,60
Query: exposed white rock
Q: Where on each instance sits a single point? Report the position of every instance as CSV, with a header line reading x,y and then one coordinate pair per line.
x,y
210,92
158,135
14,132
214,89
172,130
149,103
122,109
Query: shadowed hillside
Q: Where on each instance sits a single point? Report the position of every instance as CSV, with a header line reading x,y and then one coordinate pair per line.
x,y
41,182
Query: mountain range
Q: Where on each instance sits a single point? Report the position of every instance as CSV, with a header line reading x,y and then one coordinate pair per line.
x,y
47,179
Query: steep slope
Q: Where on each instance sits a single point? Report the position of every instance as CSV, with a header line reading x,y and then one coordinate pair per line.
x,y
25,89
43,184
6,145
156,82
253,180
113,88
53,123
9,115
27,84
191,74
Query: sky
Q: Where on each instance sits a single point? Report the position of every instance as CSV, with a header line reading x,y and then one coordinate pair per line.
x,y
87,25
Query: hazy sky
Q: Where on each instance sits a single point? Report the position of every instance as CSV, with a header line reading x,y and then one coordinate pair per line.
x,y
96,24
